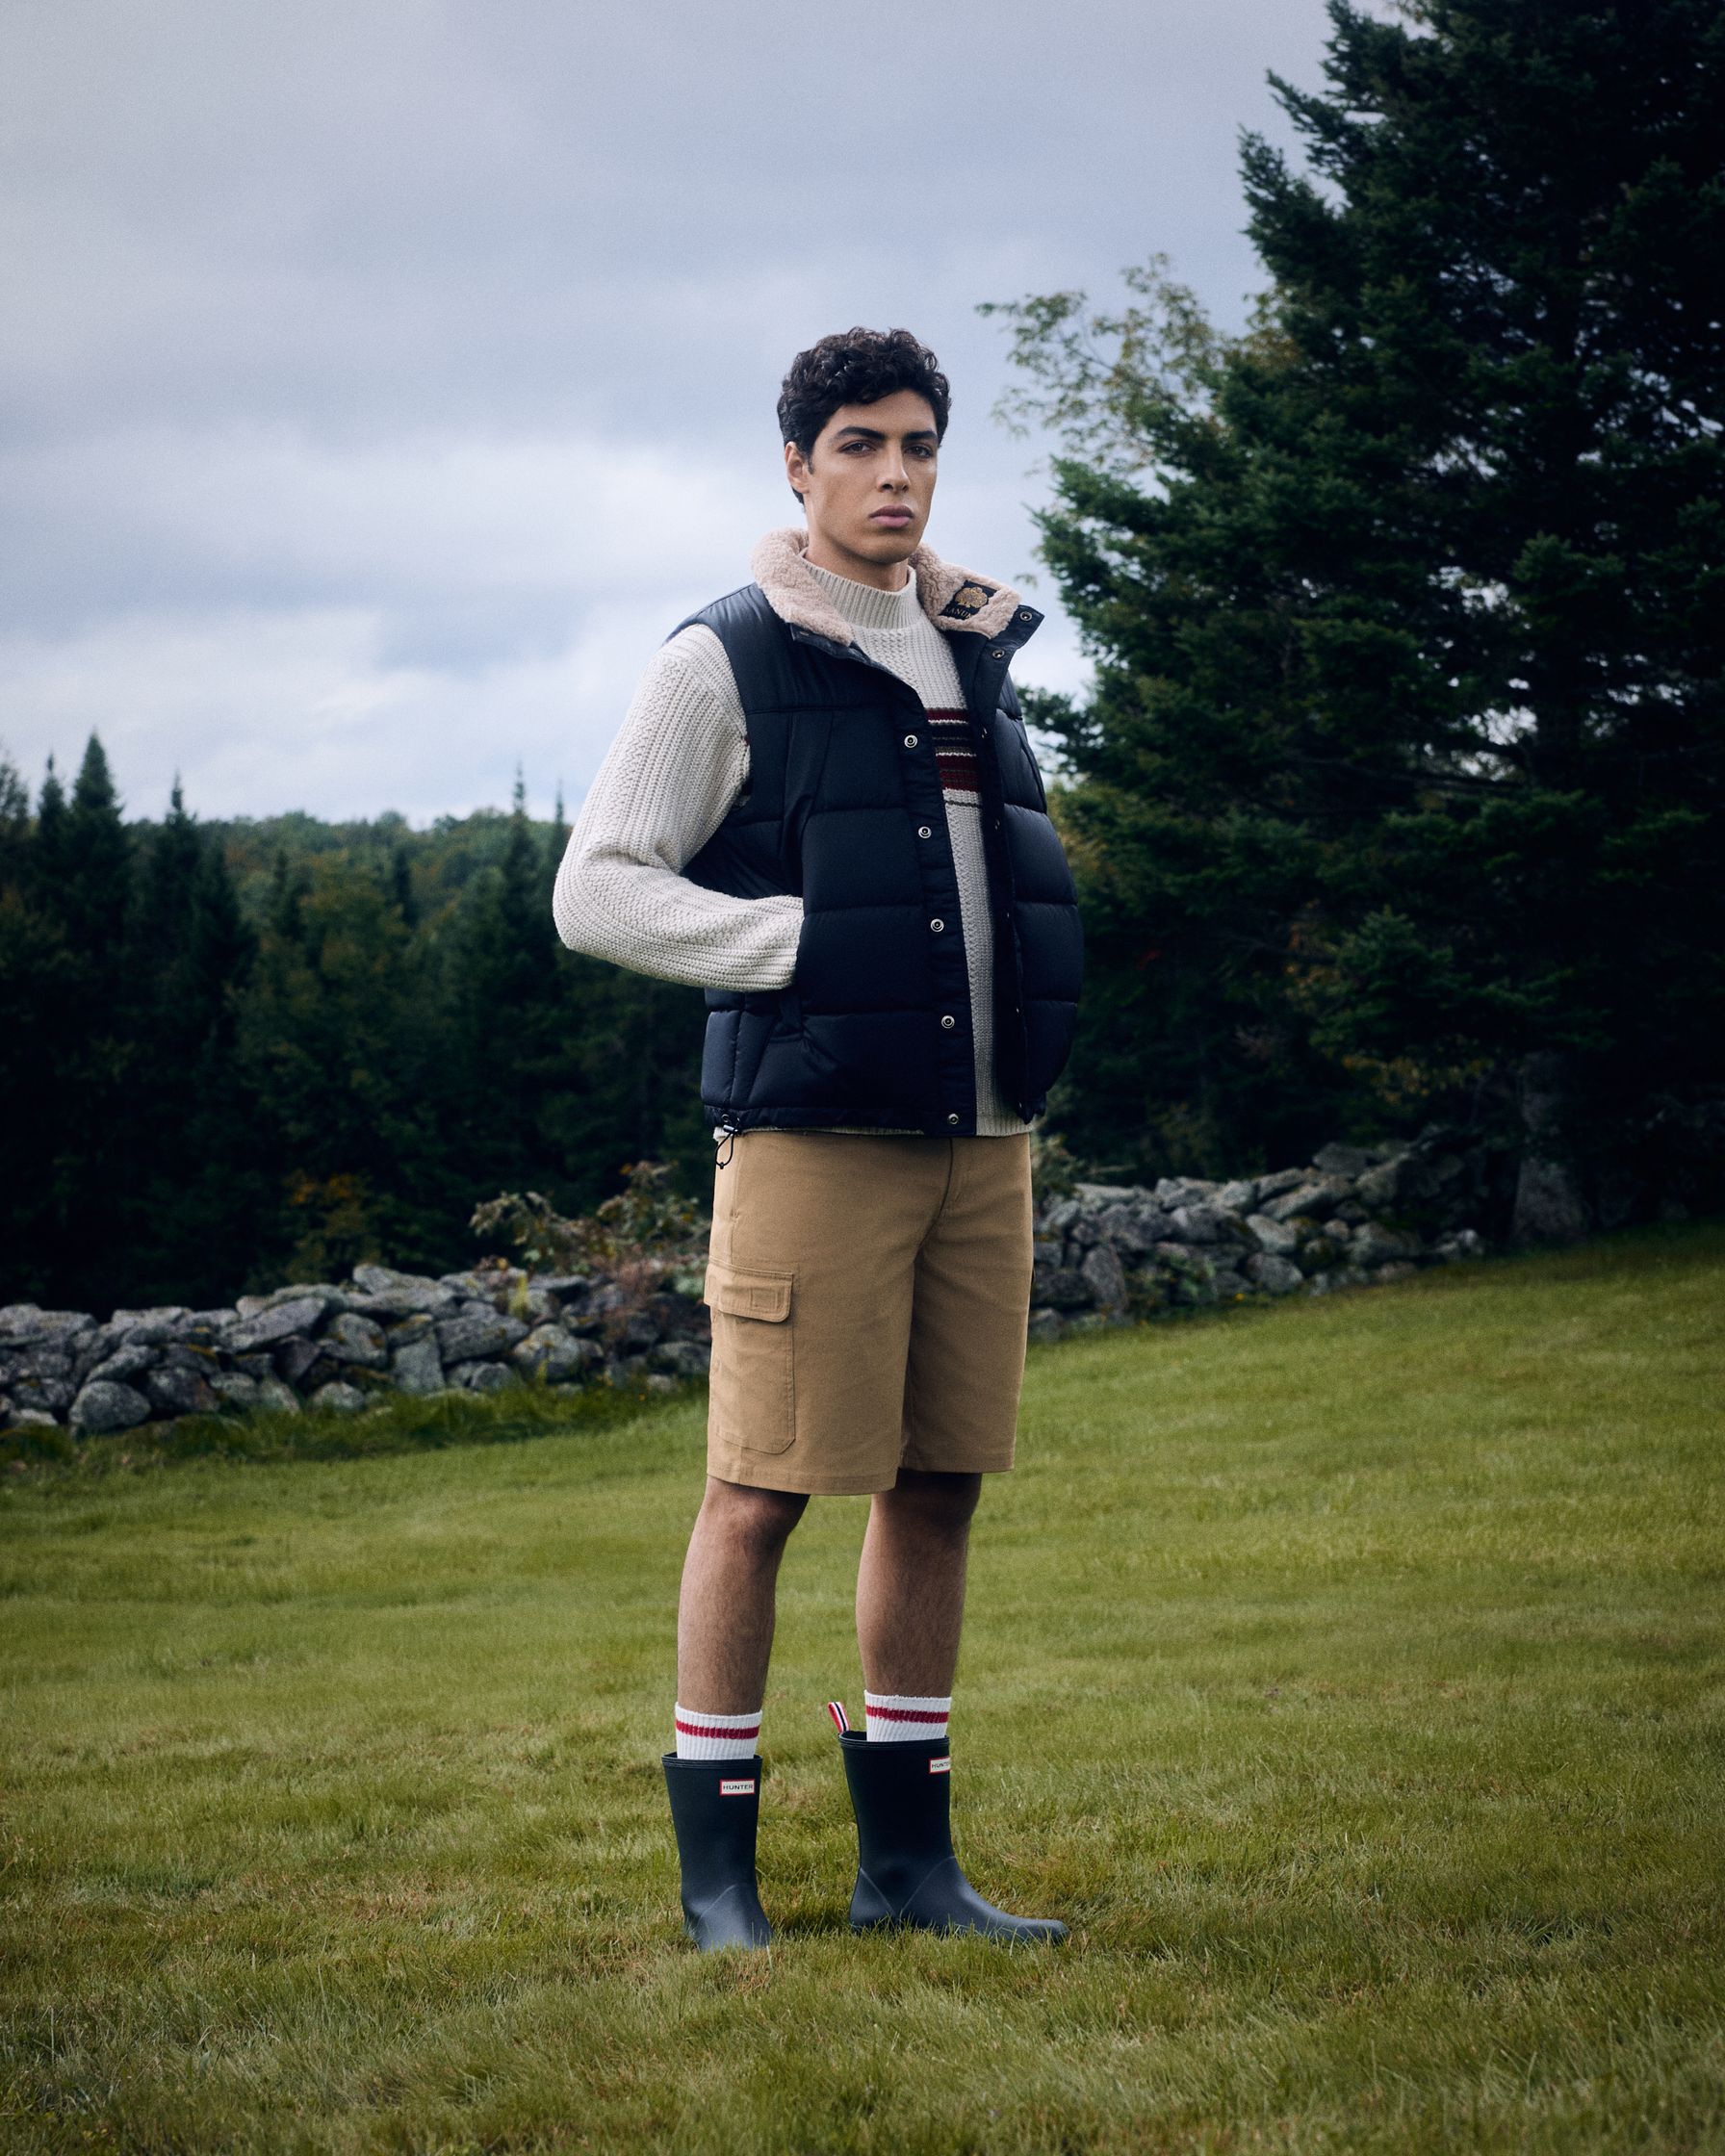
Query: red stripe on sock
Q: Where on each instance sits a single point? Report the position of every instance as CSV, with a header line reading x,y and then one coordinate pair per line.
x,y
900,1714
707,1728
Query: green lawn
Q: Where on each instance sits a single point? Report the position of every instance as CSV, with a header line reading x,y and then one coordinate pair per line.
x,y
1347,1675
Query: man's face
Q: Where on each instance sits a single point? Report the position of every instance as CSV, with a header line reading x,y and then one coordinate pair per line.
x,y
869,480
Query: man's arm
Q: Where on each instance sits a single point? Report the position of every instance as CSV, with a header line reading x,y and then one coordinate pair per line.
x,y
668,781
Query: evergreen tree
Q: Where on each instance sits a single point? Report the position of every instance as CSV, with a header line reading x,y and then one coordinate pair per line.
x,y
1401,785
82,894
34,981
196,1193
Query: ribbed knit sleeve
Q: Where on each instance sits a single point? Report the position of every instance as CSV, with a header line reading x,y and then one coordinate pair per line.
x,y
668,781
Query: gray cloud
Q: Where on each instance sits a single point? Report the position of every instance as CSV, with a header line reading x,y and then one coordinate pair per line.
x,y
381,381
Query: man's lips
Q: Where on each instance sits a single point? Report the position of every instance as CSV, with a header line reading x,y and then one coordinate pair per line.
x,y
891,515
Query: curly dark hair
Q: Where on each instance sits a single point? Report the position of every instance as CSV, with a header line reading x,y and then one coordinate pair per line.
x,y
857,367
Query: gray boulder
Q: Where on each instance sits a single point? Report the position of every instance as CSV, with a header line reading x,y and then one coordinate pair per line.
x,y
383,1293
561,1287
43,1395
1344,1161
1237,1198
680,1358
103,1407
1335,1277
23,1325
1135,1228
1183,1190
275,1397
1047,1325
1229,1284
338,1397
292,1358
1200,1222
416,1367
1274,1276
324,1292
1465,1244
476,1334
485,1377
281,1320
1275,1237
178,1392
1284,1179
1380,1186
557,1357
1319,1198
233,1388
1064,1289
1374,1245
1105,1277
356,1340
159,1324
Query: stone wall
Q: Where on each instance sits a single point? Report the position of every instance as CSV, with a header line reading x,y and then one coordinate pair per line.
x,y
1105,1254
340,1347
1356,1217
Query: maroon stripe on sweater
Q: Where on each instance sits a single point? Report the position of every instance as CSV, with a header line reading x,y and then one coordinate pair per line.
x,y
954,751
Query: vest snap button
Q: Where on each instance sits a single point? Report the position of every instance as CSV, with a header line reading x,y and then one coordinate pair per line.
x,y
909,740
1023,613
996,654
952,1118
936,926
923,832
948,1021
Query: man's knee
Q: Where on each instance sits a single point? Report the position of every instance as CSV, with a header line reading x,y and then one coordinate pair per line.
x,y
756,1522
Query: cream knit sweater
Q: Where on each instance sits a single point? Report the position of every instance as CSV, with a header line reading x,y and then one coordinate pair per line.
x,y
672,776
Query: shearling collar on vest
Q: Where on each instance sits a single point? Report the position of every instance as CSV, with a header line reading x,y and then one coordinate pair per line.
x,y
951,597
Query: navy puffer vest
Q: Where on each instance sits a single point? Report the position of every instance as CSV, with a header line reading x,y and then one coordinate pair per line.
x,y
844,809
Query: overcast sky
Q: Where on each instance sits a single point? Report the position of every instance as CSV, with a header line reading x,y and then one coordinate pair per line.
x,y
381,382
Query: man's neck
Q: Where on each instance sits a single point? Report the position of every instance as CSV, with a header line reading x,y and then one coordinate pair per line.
x,y
839,561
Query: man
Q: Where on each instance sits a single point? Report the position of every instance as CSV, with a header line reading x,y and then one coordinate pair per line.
x,y
822,808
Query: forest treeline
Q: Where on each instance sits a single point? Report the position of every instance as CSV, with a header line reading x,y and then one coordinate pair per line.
x,y
239,1053
1400,797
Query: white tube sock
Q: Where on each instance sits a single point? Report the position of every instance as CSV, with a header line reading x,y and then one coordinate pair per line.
x,y
716,1737
901,1718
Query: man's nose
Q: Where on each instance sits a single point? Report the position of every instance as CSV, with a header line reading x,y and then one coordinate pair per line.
x,y
894,474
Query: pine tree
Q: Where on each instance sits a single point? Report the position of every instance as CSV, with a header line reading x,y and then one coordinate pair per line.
x,y
1401,786
195,1188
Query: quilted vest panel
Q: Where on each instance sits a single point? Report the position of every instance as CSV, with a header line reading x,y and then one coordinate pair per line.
x,y
844,809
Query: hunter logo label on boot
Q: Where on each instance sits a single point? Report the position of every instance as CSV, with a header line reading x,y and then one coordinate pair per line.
x,y
738,1789
941,1766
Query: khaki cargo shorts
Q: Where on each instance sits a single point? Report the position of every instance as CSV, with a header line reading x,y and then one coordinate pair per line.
x,y
869,1298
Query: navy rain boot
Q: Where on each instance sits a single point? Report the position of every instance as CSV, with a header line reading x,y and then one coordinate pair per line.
x,y
716,1808
906,1870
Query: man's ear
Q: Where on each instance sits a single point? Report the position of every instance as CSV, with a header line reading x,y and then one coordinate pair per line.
x,y
796,468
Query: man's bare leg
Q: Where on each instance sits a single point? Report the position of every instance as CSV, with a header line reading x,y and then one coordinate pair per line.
x,y
910,1583
730,1578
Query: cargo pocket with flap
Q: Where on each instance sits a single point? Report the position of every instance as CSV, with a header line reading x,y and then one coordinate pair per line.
x,y
753,1397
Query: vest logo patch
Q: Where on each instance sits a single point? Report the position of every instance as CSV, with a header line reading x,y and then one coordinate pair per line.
x,y
941,1766
742,1788
968,600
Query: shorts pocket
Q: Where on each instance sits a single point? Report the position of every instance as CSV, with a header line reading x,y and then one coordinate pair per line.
x,y
752,1397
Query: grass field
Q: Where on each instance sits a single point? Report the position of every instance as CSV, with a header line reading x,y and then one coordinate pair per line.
x,y
1347,1675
